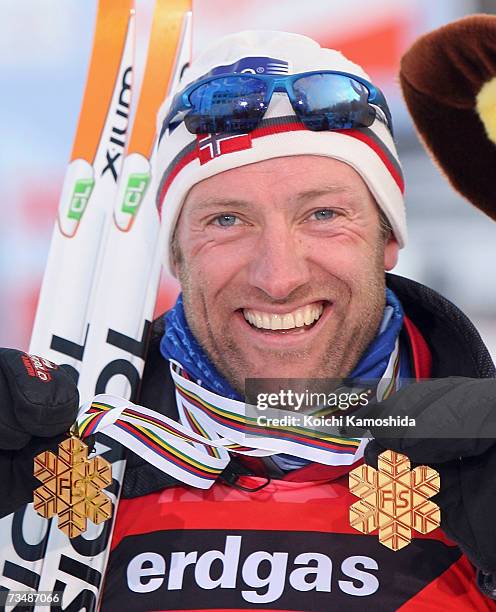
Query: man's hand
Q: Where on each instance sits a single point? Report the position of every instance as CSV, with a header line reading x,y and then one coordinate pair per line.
x,y
38,404
467,465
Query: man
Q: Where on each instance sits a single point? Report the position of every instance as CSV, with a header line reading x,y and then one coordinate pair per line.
x,y
282,204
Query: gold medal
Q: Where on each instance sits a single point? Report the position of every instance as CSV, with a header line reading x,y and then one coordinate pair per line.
x,y
394,499
72,486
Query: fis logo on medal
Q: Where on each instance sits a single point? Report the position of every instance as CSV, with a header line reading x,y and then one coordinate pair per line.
x,y
394,499
72,487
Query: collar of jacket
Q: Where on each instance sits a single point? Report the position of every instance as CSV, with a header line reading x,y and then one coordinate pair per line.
x,y
455,346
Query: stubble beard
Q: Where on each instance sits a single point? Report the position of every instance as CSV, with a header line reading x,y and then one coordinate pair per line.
x,y
343,351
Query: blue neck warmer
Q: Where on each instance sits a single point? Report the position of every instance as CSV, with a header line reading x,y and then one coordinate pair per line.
x,y
178,343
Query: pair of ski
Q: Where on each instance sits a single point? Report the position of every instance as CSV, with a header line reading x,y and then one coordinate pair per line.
x,y
101,279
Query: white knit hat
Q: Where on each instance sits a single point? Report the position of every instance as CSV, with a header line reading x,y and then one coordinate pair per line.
x,y
184,159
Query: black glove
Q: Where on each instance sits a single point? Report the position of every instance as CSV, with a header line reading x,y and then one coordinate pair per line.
x,y
38,404
467,465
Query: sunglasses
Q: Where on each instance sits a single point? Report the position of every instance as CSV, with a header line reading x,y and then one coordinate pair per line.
x,y
322,100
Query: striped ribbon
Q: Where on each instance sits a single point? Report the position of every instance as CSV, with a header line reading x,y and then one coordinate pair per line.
x,y
196,449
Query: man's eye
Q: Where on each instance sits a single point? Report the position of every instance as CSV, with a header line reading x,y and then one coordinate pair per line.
x,y
324,214
226,220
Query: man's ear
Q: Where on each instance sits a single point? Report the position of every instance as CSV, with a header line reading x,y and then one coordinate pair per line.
x,y
391,253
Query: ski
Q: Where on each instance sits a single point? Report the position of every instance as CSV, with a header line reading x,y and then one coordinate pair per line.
x,y
129,271
108,355
90,185
127,286
62,315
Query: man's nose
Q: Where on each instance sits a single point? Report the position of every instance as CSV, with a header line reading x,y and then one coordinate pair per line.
x,y
279,264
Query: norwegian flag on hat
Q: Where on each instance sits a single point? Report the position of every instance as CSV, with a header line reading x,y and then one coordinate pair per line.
x,y
214,145
211,146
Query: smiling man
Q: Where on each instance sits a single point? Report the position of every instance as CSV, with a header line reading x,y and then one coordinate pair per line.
x,y
282,199
283,278
281,196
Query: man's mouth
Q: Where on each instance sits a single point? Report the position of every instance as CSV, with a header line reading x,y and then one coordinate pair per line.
x,y
303,317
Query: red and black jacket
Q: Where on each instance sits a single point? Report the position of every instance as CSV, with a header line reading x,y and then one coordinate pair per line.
x,y
288,546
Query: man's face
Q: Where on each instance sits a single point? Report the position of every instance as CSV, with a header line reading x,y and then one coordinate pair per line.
x,y
282,265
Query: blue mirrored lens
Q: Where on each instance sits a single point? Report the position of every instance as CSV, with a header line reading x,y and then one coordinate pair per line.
x,y
229,104
332,101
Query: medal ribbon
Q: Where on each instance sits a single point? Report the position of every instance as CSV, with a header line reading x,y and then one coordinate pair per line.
x,y
196,450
